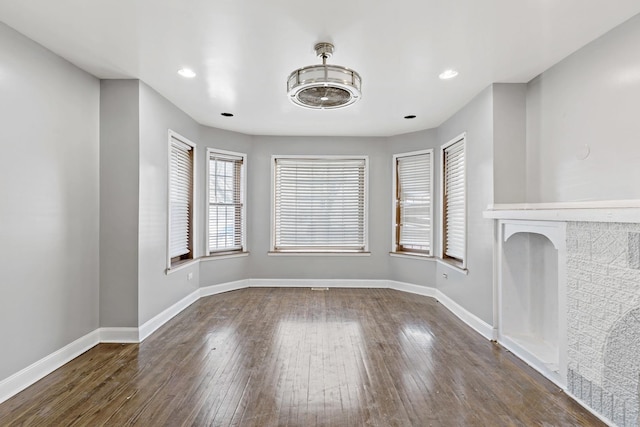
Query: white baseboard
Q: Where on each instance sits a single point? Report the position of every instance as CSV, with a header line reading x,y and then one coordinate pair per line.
x,y
314,283
43,367
479,325
473,321
157,321
119,335
223,287
532,360
425,291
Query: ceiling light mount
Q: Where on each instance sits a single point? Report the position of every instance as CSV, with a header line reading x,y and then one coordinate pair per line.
x,y
324,86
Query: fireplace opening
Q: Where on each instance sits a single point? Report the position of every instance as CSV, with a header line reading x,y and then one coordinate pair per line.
x,y
530,305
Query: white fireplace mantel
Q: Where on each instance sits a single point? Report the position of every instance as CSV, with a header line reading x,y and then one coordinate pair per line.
x,y
548,296
626,211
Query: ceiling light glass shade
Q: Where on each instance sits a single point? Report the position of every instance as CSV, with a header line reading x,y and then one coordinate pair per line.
x,y
324,86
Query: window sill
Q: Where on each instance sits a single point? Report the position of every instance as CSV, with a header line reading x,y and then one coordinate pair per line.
x,y
411,256
181,266
348,254
452,265
226,255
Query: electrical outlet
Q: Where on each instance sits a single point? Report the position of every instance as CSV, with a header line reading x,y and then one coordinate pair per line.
x,y
189,276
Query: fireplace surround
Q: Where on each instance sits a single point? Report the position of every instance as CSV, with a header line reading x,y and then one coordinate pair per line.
x,y
567,298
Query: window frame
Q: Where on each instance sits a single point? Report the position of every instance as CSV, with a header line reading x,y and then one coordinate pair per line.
x,y
272,248
462,264
173,263
395,244
243,195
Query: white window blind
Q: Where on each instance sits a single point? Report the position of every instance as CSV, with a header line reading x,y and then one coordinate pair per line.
x,y
319,205
454,201
413,203
180,198
226,202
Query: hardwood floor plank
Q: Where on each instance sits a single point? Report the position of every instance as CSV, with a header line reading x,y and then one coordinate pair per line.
x,y
297,357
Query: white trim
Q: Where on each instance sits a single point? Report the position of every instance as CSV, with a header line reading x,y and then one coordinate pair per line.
x,y
598,211
119,335
595,204
497,267
151,325
452,266
532,360
43,367
555,232
320,283
479,325
411,255
294,253
426,291
224,256
223,287
182,266
551,230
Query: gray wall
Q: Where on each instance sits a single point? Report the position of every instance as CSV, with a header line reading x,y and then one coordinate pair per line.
x,y
319,267
157,290
217,270
592,98
50,207
414,270
119,159
57,181
509,143
473,291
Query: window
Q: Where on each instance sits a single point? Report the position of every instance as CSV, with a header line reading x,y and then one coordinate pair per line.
x,y
226,199
453,202
413,203
319,204
181,161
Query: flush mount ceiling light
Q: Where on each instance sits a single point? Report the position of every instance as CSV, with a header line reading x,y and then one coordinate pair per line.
x,y
324,86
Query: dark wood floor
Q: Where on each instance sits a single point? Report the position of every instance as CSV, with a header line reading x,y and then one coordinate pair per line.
x,y
297,357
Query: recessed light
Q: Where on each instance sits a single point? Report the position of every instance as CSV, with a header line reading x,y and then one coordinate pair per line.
x,y
187,73
448,74
411,116
226,114
324,98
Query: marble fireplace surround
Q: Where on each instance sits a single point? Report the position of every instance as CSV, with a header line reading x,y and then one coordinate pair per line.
x,y
567,298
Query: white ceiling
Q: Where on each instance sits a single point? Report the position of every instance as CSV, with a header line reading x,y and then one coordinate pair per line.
x,y
243,50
